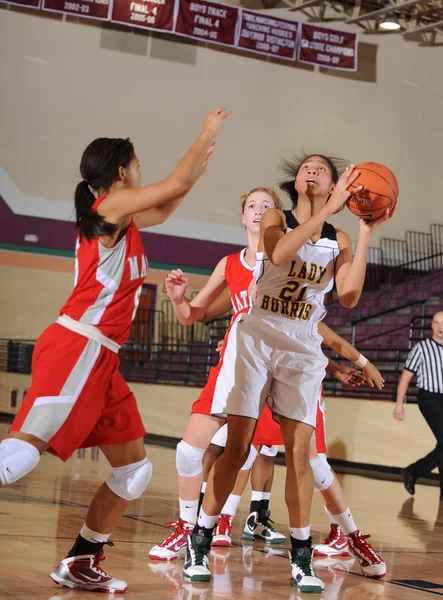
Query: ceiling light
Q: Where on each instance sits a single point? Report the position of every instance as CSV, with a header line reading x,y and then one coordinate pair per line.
x,y
390,23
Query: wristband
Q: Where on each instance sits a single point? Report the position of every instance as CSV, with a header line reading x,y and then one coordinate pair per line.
x,y
361,362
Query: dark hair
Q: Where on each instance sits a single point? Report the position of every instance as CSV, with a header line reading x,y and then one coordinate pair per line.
x,y
292,166
99,168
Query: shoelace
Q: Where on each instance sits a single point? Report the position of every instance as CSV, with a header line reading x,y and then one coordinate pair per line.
x,y
368,550
332,536
99,558
224,525
305,564
177,528
267,522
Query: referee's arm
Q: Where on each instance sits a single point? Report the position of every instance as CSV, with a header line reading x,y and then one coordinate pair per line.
x,y
408,372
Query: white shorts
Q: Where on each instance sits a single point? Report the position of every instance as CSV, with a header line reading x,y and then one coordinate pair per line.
x,y
268,354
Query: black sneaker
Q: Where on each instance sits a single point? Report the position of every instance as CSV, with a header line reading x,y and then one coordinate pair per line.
x,y
196,567
409,481
302,575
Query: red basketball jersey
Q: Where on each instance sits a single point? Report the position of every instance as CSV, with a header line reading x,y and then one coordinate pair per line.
x,y
238,275
108,283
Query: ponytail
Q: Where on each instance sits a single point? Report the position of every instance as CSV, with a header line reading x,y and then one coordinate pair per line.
x,y
99,169
89,222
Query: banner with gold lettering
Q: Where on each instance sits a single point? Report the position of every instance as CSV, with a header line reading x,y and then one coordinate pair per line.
x,y
92,9
147,14
208,21
330,48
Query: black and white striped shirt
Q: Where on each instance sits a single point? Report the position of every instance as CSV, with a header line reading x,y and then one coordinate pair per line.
x,y
426,361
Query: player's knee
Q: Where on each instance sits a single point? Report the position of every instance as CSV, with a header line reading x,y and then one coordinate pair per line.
x,y
269,451
323,476
251,458
129,482
238,451
213,452
17,459
188,459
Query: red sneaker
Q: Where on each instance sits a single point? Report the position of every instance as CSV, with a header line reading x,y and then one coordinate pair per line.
x,y
84,573
335,544
223,531
371,563
175,544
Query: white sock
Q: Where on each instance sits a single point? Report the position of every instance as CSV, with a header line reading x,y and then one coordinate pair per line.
x,y
346,521
204,484
93,536
330,516
188,510
230,508
206,521
266,495
300,533
257,496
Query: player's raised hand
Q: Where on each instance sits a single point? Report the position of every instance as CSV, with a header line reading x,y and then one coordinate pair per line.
x,y
214,119
341,191
175,286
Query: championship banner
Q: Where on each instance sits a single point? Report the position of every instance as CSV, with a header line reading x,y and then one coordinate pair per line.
x,y
267,35
208,21
92,9
27,3
147,14
328,48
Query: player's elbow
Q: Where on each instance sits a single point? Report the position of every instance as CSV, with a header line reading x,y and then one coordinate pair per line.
x,y
276,258
349,300
179,185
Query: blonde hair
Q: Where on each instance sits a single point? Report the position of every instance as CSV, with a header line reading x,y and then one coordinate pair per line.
x,y
267,190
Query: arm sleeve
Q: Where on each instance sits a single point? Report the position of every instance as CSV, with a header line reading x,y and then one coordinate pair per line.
x,y
414,359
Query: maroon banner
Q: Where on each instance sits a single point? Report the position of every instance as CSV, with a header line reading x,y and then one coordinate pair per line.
x,y
268,35
92,9
28,3
329,48
207,21
149,14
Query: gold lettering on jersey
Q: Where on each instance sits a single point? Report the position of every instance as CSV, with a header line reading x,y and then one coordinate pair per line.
x,y
294,310
303,271
308,271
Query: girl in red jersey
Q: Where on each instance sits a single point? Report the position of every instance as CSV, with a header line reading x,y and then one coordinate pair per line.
x,y
226,288
77,397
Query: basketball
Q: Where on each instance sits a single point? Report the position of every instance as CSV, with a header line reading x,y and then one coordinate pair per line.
x,y
379,193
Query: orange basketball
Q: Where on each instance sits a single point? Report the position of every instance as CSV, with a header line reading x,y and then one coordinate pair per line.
x,y
380,191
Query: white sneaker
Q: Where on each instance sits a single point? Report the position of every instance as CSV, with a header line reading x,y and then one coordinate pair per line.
x,y
223,531
196,567
259,527
302,574
371,564
175,544
84,573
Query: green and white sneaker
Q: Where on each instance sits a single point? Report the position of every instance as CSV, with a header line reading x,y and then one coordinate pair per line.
x,y
302,574
196,567
259,527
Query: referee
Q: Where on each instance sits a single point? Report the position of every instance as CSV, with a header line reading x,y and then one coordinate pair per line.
x,y
426,362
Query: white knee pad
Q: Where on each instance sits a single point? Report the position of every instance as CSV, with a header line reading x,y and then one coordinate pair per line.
x,y
270,451
129,482
221,436
251,458
17,458
323,476
188,460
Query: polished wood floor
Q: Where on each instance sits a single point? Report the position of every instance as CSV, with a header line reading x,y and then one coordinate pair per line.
x,y
41,515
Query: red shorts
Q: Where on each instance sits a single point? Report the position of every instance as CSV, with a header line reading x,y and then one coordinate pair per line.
x,y
320,437
268,432
77,397
203,404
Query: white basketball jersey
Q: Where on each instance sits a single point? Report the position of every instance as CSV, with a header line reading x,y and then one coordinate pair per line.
x,y
296,289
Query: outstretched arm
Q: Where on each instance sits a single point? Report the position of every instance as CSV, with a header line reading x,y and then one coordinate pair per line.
x,y
132,201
